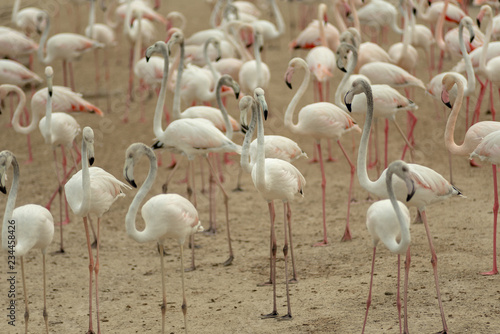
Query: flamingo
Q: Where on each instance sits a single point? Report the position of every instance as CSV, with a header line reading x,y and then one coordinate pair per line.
x,y
254,73
26,18
191,137
387,100
92,191
274,179
321,60
64,46
488,150
403,53
310,36
25,227
430,186
387,221
14,73
165,215
377,14
15,44
269,30
319,120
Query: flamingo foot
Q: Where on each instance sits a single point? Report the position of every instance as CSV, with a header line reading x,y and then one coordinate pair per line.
x,y
27,162
64,222
331,159
353,200
90,331
473,163
266,283
293,281
189,269
210,231
313,160
347,236
238,189
321,244
287,316
489,273
94,244
172,164
125,119
373,164
60,251
228,262
273,314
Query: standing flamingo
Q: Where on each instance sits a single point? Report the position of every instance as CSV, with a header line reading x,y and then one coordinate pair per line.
x,y
26,227
254,73
274,179
488,150
387,221
26,18
165,215
430,186
64,46
14,73
319,120
92,191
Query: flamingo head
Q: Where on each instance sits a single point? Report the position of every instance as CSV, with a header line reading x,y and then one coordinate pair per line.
x,y
6,158
244,104
259,97
449,80
132,155
358,86
158,47
88,140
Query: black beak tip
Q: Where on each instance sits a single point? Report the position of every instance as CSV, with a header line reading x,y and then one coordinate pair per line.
x,y
343,69
244,128
147,58
414,11
478,23
348,105
471,38
448,104
157,145
218,58
3,189
265,114
409,197
289,84
131,182
91,161
50,92
237,94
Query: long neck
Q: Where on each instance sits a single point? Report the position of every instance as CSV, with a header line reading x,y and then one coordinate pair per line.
x,y
280,24
227,122
452,120
91,19
295,100
362,172
260,181
487,37
423,12
236,42
258,60
403,244
471,78
157,127
11,203
15,10
406,32
336,16
84,207
211,67
438,34
321,26
17,113
245,148
354,14
176,110
44,59
48,119
351,65
141,236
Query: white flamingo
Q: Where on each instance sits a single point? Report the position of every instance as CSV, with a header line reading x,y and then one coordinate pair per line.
x,y
165,215
25,227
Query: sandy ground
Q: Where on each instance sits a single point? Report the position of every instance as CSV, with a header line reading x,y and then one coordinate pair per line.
x,y
330,296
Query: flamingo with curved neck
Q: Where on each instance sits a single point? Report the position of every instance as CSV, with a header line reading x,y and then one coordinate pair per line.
x,y
311,123
165,215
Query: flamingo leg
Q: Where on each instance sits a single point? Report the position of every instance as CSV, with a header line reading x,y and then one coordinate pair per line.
x,y
434,262
330,156
60,192
347,232
386,139
369,300
71,77
477,110
289,220
238,180
287,316
165,185
405,292
164,299
323,195
492,106
26,310
274,313
91,269
494,271
272,216
96,270
184,303
202,174
315,155
45,314
226,204
65,74
398,296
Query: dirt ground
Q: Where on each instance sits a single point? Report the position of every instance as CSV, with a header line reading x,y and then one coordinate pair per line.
x,y
330,296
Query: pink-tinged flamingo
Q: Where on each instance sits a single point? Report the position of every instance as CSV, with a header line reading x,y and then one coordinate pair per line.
x,y
15,44
191,137
165,216
26,18
430,186
92,191
387,100
378,14
403,53
14,73
389,221
310,36
321,120
25,227
321,61
269,30
488,149
274,179
64,46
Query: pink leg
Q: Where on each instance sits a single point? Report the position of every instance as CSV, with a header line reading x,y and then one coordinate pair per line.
x,y
320,91
467,102
274,246
412,120
369,300
398,296
272,215
386,139
91,270
96,270
347,232
315,155
492,102
71,77
434,262
330,156
494,271
477,110
130,85
323,194
289,220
